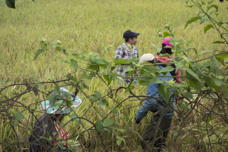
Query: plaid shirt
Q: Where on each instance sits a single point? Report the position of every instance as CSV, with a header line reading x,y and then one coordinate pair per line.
x,y
125,51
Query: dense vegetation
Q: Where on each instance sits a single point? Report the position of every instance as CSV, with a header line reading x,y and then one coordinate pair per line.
x,y
76,50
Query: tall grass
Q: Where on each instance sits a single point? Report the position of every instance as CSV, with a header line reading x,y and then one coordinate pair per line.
x,y
85,25
89,25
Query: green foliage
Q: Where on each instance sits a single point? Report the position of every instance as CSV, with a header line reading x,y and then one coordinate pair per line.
x,y
222,57
166,31
101,124
38,52
193,19
122,61
43,48
109,77
74,64
10,3
59,98
107,122
208,27
120,140
164,92
19,116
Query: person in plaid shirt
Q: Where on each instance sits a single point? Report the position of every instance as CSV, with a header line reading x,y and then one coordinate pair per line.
x,y
127,51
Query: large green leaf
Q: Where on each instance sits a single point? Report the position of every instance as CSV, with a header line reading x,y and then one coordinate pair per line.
x,y
96,63
222,58
129,70
38,53
214,83
223,55
19,116
107,122
10,3
164,92
74,64
93,67
120,140
96,96
224,91
167,69
194,19
193,74
109,77
207,27
213,6
166,34
99,61
99,125
194,83
122,61
187,95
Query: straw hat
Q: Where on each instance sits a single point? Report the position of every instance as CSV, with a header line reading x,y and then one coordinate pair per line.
x,y
146,58
59,105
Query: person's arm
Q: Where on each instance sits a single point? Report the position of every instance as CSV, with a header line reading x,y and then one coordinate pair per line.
x,y
149,104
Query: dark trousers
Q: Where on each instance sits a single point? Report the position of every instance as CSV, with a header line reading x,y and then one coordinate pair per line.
x,y
154,136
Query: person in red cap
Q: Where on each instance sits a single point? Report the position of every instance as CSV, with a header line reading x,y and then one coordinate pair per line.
x,y
167,49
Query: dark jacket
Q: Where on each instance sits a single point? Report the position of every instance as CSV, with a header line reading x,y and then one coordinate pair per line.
x,y
42,136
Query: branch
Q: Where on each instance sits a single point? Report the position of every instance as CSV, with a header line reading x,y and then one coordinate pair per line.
x,y
32,83
226,52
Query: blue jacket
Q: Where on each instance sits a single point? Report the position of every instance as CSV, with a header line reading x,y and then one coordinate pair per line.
x,y
152,104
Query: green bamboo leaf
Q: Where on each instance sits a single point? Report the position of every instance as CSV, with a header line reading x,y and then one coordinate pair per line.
x,y
194,19
222,58
208,27
219,42
107,122
99,61
121,61
215,7
129,70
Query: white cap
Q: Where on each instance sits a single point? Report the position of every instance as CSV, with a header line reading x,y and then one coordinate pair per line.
x,y
146,57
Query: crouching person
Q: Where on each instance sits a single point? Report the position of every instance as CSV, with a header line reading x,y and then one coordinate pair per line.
x,y
47,134
154,136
